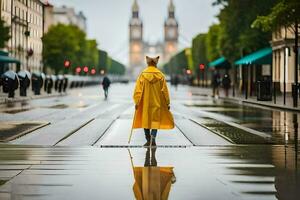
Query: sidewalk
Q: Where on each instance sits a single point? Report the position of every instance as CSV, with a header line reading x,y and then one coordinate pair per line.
x,y
30,95
251,100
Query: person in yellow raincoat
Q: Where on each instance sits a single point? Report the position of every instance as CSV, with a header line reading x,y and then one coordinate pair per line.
x,y
152,102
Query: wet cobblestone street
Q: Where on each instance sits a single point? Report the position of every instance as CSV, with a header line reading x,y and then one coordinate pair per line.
x,y
218,150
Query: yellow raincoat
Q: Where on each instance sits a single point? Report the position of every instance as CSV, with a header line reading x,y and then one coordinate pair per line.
x,y
152,183
151,96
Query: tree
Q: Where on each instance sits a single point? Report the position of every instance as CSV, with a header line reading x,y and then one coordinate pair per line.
x,y
166,68
286,13
56,50
103,62
73,47
236,37
199,51
178,63
211,43
92,54
116,68
4,34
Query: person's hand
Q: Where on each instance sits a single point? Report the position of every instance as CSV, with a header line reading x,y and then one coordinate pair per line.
x,y
136,107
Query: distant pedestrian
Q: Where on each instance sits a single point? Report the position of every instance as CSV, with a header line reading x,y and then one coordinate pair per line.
x,y
65,83
226,82
152,102
105,84
216,81
176,82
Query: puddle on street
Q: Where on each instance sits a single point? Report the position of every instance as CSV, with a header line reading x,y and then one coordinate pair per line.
x,y
282,126
12,130
15,107
232,172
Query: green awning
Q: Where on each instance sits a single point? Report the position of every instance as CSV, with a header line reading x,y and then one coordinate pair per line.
x,y
219,63
7,59
261,57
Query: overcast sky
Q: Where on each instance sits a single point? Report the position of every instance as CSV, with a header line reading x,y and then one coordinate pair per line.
x,y
108,20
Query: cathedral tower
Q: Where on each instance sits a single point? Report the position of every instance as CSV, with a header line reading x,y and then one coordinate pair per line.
x,y
136,54
171,33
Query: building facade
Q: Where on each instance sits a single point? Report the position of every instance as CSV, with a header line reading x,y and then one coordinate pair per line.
x,y
138,48
25,19
283,70
64,15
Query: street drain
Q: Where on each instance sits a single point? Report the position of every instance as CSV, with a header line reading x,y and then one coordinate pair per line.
x,y
12,130
141,146
234,134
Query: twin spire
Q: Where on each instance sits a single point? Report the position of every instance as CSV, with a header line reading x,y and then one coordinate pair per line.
x,y
171,6
135,6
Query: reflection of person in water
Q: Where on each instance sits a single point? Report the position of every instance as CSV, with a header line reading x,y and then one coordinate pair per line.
x,y
152,182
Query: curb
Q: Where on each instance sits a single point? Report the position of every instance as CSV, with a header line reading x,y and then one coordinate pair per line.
x,y
20,99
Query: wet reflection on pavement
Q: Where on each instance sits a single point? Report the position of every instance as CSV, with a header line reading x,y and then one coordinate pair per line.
x,y
224,172
281,125
152,181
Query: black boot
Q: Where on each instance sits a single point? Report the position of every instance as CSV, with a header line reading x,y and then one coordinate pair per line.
x,y
147,159
148,138
153,157
153,142
147,144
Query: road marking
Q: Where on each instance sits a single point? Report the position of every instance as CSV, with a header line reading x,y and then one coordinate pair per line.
x,y
75,130
104,132
184,134
141,146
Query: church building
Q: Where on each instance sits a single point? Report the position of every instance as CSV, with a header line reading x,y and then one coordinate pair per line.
x,y
138,48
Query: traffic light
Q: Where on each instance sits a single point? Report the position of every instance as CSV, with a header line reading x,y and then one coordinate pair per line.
x,y
78,70
201,66
86,69
93,71
67,63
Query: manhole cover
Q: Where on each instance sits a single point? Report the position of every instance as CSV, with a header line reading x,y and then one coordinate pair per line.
x,y
12,130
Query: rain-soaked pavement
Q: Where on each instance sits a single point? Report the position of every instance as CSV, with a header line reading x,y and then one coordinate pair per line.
x,y
76,147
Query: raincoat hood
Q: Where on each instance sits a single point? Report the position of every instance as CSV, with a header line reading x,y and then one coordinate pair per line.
x,y
152,74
